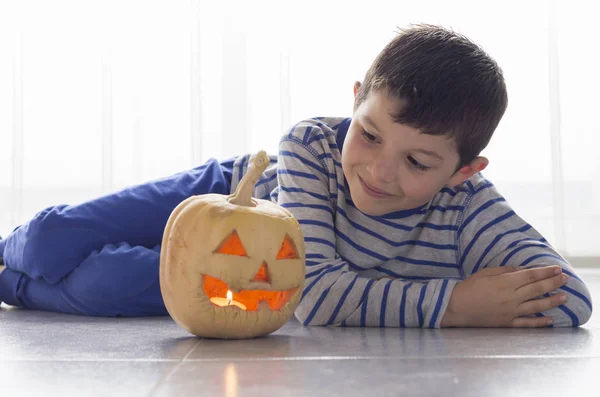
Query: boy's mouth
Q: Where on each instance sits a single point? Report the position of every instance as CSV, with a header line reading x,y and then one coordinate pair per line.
x,y
373,192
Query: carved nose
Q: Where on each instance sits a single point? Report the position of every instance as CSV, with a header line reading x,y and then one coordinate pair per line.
x,y
262,274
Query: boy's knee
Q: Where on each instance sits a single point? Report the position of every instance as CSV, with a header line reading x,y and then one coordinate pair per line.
x,y
38,232
28,248
48,241
113,275
46,220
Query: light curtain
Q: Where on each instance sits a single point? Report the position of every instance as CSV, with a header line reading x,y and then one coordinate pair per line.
x,y
98,95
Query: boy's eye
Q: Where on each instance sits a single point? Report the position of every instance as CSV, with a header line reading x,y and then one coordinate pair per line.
x,y
417,165
369,137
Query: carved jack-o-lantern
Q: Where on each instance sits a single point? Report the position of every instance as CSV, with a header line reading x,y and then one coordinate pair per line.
x,y
232,266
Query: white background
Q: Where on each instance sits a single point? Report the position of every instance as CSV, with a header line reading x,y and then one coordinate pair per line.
x,y
98,95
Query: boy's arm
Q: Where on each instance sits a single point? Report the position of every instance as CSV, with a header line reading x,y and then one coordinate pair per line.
x,y
491,235
333,293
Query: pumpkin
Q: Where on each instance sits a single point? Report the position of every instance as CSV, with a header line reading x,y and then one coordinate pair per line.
x,y
232,266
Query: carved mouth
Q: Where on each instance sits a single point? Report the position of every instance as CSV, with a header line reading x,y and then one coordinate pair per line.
x,y
214,287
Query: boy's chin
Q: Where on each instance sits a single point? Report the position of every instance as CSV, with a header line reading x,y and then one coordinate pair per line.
x,y
374,209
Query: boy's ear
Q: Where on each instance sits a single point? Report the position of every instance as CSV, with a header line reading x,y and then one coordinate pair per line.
x,y
467,171
356,87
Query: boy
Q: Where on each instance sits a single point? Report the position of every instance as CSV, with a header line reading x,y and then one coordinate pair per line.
x,y
401,229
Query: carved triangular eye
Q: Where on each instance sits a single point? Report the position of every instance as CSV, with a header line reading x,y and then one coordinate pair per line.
x,y
288,249
262,274
232,245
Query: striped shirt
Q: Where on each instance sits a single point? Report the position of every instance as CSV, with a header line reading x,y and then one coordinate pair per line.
x,y
396,270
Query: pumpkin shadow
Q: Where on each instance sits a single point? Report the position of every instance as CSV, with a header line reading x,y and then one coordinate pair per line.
x,y
263,347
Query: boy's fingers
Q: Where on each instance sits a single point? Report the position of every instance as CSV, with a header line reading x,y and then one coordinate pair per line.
x,y
541,305
537,322
529,276
541,287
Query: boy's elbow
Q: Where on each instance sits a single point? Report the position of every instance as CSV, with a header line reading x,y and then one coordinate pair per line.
x,y
585,317
573,316
585,305
585,309
577,310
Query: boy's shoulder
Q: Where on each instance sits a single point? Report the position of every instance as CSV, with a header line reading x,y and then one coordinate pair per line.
x,y
476,188
459,204
325,123
315,128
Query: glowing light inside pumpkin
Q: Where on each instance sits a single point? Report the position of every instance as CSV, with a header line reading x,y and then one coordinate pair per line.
x,y
288,249
216,290
263,274
220,301
232,245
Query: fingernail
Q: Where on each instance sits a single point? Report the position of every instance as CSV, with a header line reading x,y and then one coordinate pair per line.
x,y
563,298
558,270
564,278
550,322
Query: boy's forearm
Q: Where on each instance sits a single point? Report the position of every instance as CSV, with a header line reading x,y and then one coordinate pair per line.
x,y
350,300
454,316
451,317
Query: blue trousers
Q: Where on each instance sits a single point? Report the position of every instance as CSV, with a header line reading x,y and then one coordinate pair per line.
x,y
101,257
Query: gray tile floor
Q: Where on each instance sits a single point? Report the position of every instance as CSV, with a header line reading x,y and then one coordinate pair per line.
x,y
47,354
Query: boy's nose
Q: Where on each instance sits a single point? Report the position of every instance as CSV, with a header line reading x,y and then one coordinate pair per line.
x,y
383,170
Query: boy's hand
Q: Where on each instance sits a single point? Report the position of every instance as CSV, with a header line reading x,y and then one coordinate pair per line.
x,y
502,296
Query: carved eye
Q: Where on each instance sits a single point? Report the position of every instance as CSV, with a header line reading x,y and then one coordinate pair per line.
x,y
232,245
262,274
288,249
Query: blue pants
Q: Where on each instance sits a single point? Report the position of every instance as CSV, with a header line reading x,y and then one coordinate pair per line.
x,y
101,257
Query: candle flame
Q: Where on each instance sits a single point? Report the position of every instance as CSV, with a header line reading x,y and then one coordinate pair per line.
x,y
229,296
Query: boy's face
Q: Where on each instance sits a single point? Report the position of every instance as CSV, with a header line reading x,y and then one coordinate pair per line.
x,y
392,167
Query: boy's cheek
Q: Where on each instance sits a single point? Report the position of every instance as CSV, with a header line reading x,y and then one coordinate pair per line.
x,y
421,192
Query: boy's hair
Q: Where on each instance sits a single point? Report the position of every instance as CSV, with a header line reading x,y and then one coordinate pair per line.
x,y
448,86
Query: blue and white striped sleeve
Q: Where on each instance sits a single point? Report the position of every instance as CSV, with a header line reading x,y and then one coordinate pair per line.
x,y
491,234
333,293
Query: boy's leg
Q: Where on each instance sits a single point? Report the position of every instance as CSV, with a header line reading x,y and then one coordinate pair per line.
x,y
60,238
118,280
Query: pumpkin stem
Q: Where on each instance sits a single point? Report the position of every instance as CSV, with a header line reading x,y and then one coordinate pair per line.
x,y
243,192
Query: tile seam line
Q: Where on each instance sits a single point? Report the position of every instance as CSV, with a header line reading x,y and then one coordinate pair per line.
x,y
311,358
172,371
